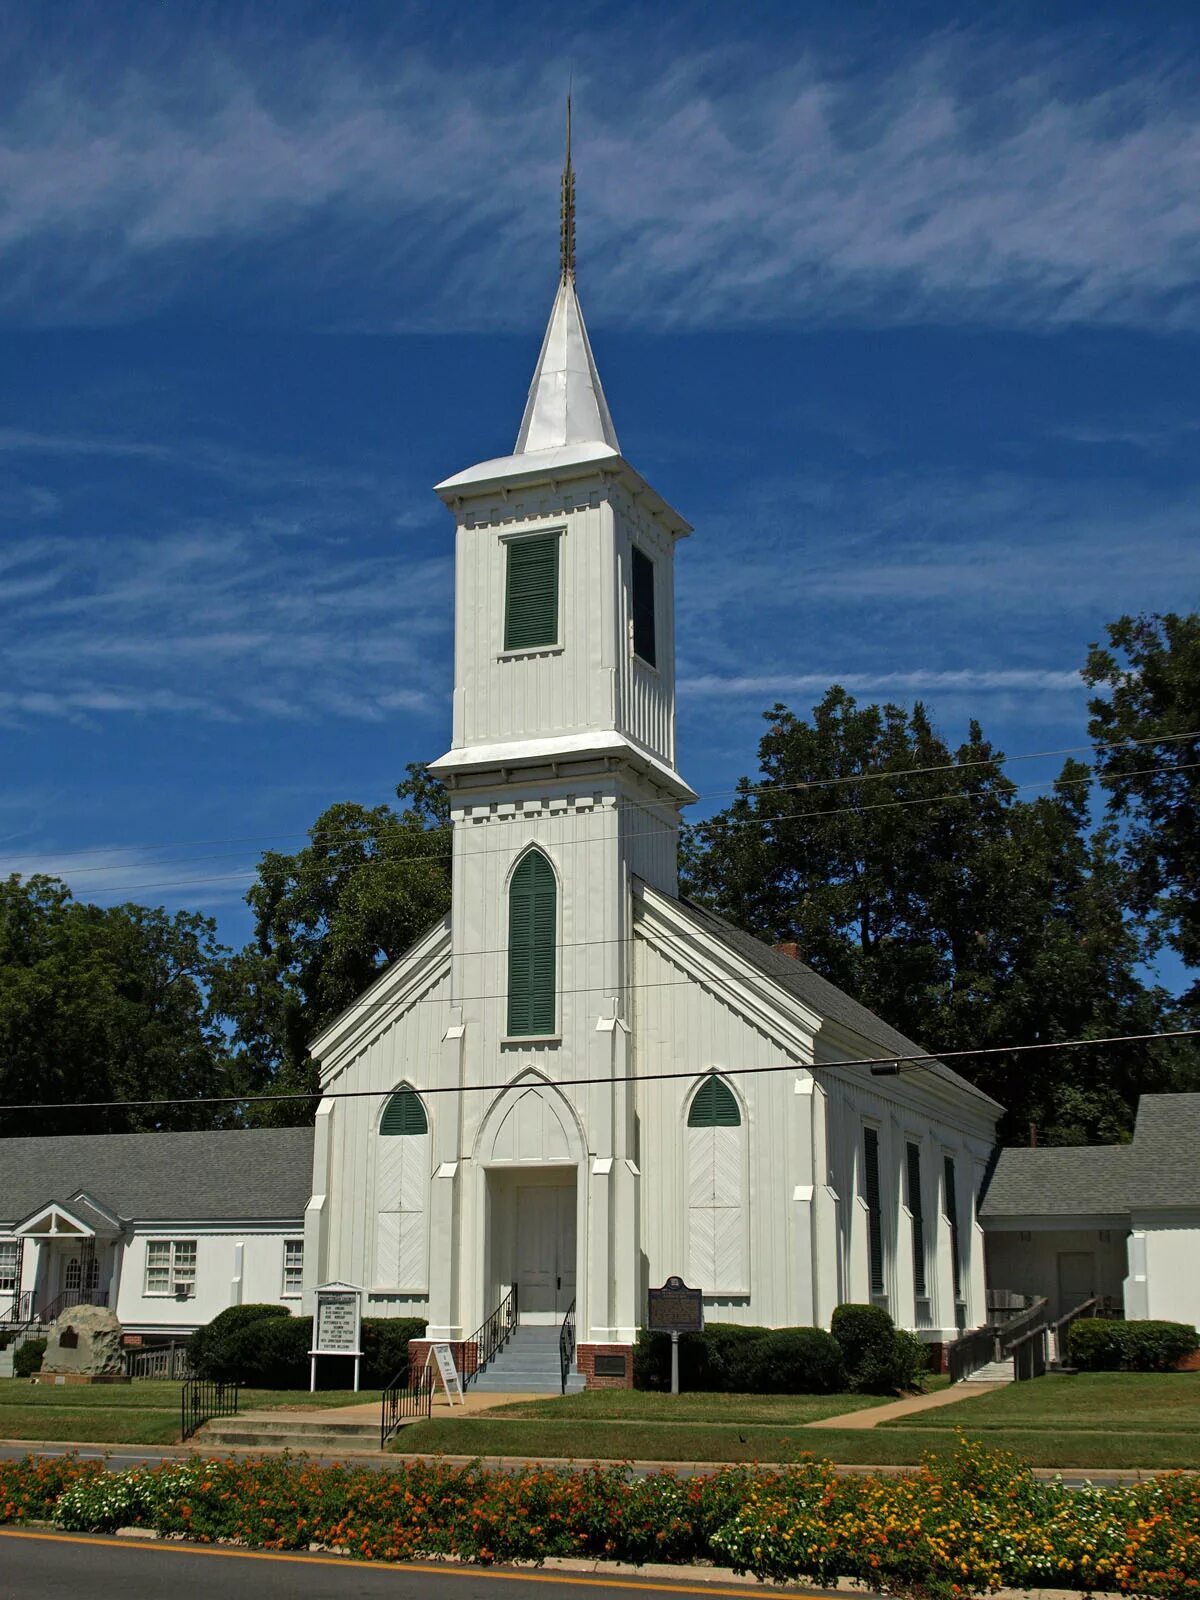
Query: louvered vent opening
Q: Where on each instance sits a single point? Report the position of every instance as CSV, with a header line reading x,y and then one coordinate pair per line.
x,y
714,1106
531,593
532,933
403,1114
916,1207
952,1213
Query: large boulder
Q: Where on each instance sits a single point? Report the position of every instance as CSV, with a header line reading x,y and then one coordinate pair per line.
x,y
86,1340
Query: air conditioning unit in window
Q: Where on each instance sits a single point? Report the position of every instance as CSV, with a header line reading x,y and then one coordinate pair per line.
x,y
184,1291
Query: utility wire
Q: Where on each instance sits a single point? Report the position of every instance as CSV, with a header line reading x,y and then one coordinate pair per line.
x,y
900,1062
749,791
648,833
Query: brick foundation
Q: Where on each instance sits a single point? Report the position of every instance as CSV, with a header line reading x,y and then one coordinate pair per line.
x,y
938,1358
585,1361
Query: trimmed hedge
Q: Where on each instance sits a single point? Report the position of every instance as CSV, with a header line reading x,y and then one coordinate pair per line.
x,y
728,1358
1096,1344
27,1358
266,1347
879,1357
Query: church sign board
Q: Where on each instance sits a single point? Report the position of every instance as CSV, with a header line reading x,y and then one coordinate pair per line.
x,y
337,1326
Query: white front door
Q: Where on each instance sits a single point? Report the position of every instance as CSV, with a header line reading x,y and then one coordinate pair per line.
x,y
545,1252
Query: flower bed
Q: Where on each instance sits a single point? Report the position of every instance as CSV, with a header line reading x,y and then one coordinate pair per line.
x,y
960,1525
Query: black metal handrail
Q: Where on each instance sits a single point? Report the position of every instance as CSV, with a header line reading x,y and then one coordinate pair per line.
x,y
408,1395
200,1402
566,1345
486,1343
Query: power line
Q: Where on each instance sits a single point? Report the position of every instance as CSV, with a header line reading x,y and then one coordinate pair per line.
x,y
900,1062
650,833
749,791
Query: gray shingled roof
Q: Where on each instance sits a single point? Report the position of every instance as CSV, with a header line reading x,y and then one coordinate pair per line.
x,y
195,1177
818,993
1160,1168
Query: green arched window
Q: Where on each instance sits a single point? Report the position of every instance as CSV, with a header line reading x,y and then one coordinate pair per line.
x,y
713,1106
404,1114
532,935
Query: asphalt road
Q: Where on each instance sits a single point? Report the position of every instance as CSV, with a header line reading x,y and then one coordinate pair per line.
x,y
51,1566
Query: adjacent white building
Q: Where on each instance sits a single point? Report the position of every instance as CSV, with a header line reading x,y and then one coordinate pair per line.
x,y
580,1083
1119,1223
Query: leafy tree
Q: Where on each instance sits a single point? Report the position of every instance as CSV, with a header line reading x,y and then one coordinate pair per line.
x,y
328,920
105,1003
1148,712
963,914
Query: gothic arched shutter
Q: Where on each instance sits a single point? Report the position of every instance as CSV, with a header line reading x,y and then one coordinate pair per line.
x,y
532,941
401,1192
718,1253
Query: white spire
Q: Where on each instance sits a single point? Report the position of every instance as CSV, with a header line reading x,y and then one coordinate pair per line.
x,y
566,402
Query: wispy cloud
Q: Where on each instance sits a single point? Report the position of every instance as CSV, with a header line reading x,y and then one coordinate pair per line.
x,y
969,178
122,872
920,681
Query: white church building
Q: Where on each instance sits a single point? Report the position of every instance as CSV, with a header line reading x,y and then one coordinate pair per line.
x,y
580,1083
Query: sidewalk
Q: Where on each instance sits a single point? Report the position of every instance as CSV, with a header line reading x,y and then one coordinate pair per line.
x,y
872,1416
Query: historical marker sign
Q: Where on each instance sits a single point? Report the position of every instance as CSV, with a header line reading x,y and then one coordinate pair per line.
x,y
676,1309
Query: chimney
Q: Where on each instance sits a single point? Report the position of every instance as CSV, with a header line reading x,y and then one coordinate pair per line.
x,y
790,949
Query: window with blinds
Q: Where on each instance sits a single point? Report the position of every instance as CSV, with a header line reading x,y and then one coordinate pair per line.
x,y
531,593
532,940
913,1199
871,1194
641,601
293,1268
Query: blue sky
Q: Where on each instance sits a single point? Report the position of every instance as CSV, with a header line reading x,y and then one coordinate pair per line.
x,y
900,309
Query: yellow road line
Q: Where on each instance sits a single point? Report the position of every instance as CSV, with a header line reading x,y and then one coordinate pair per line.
x,y
438,1570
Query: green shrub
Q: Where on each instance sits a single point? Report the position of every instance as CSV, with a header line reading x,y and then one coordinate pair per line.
x,y
1096,1344
874,1358
912,1360
728,1358
1157,1346
385,1343
795,1361
27,1359
207,1347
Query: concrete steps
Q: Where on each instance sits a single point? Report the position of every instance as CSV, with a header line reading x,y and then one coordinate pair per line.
x,y
314,1432
528,1364
994,1372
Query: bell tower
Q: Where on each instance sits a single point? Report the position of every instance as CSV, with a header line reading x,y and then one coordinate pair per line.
x,y
562,782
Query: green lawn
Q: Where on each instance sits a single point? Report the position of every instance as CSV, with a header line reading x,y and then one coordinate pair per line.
x,y
133,1413
1142,1403
594,1405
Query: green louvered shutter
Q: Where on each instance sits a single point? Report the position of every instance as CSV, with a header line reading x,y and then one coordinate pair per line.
x,y
642,607
403,1114
532,937
916,1206
713,1106
874,1208
952,1212
531,593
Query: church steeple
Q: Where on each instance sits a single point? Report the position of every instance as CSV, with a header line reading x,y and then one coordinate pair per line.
x,y
566,404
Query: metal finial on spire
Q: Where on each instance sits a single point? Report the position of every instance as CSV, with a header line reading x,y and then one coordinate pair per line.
x,y
567,224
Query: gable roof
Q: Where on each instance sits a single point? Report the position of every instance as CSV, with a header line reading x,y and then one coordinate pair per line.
x,y
1158,1169
819,995
246,1173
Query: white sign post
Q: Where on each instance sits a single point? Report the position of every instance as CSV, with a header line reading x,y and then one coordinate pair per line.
x,y
337,1327
447,1371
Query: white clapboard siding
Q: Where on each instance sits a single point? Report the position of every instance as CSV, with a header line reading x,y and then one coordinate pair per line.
x,y
717,1232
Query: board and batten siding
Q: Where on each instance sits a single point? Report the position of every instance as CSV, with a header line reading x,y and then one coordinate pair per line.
x,y
368,1171
681,1026
646,694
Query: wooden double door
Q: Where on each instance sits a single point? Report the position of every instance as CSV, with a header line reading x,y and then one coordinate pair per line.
x,y
545,1253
